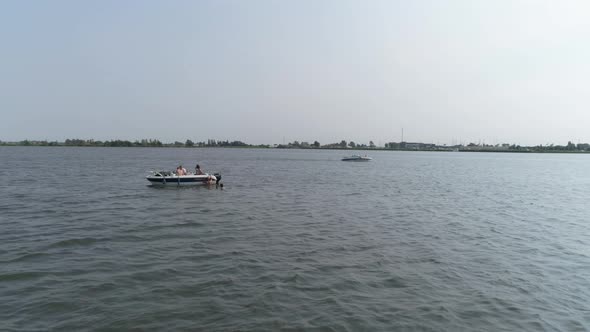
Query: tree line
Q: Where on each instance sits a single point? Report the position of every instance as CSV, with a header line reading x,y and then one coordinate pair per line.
x,y
316,145
136,143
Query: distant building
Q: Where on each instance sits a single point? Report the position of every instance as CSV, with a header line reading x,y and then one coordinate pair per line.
x,y
417,146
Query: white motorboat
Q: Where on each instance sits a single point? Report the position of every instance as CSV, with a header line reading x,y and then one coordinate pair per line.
x,y
356,157
166,178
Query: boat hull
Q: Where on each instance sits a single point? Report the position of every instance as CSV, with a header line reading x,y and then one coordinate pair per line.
x,y
357,159
183,180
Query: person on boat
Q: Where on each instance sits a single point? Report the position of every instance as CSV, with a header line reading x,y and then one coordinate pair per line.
x,y
180,171
198,170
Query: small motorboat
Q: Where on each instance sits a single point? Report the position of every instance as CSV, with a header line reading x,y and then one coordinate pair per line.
x,y
166,178
356,157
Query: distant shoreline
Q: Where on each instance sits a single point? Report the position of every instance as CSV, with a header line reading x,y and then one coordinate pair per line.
x,y
580,149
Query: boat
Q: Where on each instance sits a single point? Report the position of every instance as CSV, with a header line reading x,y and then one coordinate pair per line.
x,y
356,157
166,178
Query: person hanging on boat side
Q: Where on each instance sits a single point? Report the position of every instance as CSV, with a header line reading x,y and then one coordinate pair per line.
x,y
199,171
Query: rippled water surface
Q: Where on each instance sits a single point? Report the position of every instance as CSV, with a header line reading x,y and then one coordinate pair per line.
x,y
296,240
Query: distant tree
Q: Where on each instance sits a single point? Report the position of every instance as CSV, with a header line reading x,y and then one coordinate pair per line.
x,y
371,144
351,144
343,144
316,144
189,143
152,142
177,143
115,143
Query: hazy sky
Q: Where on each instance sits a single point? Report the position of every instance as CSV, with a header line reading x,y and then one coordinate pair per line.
x,y
260,71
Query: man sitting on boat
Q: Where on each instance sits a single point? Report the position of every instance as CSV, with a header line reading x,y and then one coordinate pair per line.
x,y
180,171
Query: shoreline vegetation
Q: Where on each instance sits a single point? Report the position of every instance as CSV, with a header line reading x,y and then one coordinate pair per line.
x,y
342,145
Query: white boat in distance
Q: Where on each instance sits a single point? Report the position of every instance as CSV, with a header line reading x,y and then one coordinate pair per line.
x,y
166,178
356,157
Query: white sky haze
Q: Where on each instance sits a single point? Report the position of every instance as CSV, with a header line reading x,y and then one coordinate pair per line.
x,y
260,71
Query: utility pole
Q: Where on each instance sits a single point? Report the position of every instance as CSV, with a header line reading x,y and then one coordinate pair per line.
x,y
402,134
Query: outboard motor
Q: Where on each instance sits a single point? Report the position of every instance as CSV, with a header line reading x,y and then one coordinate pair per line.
x,y
218,176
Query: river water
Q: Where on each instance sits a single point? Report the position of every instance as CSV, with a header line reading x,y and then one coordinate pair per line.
x,y
296,240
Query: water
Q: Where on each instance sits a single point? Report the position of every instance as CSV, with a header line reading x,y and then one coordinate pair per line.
x,y
296,240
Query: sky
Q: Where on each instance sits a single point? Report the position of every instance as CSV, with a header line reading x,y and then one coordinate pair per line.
x,y
269,71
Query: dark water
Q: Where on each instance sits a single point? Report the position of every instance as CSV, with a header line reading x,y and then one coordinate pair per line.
x,y
297,240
